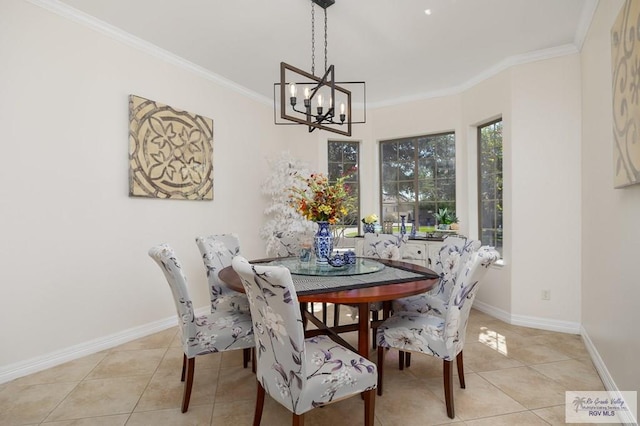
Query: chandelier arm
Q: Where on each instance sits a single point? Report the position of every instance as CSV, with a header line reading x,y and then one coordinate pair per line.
x,y
324,118
306,114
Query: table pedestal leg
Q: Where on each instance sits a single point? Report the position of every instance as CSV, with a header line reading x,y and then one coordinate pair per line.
x,y
363,329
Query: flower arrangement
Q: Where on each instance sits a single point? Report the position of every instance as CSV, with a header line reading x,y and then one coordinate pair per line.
x,y
371,219
320,200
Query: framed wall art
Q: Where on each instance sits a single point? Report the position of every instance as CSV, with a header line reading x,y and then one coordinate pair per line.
x,y
625,55
170,152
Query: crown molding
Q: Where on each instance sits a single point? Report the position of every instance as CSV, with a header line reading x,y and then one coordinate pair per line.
x,y
124,37
588,11
128,39
538,55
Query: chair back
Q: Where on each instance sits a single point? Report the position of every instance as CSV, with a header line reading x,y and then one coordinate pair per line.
x,y
454,254
217,252
289,245
166,258
278,331
384,246
463,292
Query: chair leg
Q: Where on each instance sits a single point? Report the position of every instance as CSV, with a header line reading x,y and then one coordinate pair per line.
x,y
460,366
303,308
401,360
298,420
369,407
407,360
246,356
184,367
257,414
374,330
253,360
380,367
336,314
448,389
324,312
191,364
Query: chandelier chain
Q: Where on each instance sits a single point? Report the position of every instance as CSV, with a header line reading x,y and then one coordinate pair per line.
x,y
325,40
313,38
322,88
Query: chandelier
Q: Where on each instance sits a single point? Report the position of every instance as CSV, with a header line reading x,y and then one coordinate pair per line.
x,y
318,102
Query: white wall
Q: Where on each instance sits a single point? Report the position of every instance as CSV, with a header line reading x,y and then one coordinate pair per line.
x,y
484,102
73,244
610,228
545,179
540,104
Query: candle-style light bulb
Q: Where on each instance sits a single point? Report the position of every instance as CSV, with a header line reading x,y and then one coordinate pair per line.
x,y
293,100
342,114
307,101
320,100
342,108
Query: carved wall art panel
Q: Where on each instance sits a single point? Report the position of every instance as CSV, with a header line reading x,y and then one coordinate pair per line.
x,y
625,54
170,152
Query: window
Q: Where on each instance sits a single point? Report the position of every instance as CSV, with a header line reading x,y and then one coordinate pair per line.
x,y
343,161
418,177
490,184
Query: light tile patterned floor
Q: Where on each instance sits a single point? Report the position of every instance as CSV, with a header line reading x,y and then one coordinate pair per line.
x,y
514,376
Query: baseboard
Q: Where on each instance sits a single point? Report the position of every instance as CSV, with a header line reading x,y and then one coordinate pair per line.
x,y
39,363
546,324
492,310
603,372
528,321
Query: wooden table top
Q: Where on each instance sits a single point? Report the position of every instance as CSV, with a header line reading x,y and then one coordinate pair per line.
x,y
377,293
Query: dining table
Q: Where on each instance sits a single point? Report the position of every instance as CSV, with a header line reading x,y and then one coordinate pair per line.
x,y
383,280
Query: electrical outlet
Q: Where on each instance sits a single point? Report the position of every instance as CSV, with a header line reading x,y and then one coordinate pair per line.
x,y
546,294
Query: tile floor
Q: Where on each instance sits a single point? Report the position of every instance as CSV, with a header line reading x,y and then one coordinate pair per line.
x,y
514,376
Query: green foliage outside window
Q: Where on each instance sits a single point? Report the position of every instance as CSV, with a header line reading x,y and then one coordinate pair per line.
x,y
418,178
343,157
490,182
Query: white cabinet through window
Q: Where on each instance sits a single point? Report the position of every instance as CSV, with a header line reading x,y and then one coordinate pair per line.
x,y
420,252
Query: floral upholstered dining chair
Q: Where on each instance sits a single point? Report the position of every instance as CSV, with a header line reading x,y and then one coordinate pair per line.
x,y
379,246
439,334
217,252
300,374
201,335
384,246
454,253
288,244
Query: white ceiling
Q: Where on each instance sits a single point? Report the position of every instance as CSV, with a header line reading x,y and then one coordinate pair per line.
x,y
398,50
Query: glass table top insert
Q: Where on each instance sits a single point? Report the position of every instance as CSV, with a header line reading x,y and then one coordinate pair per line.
x,y
362,266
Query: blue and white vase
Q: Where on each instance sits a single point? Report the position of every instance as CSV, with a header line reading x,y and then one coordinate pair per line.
x,y
369,228
323,243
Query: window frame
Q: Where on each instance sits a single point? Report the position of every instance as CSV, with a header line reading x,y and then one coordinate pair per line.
x,y
350,182
498,231
437,202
